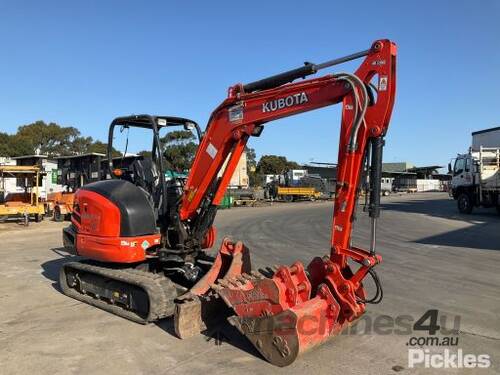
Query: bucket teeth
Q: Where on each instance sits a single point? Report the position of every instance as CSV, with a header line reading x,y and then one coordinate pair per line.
x,y
241,279
234,282
257,275
216,287
223,283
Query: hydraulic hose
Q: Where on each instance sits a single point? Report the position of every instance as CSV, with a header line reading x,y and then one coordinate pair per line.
x,y
354,81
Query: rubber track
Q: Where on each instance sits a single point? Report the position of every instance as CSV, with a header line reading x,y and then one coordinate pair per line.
x,y
161,291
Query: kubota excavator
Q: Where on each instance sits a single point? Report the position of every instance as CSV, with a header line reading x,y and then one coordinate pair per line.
x,y
145,272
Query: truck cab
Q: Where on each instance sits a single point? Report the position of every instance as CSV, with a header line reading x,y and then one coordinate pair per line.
x,y
475,179
462,172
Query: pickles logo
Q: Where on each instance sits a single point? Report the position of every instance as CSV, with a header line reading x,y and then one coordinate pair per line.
x,y
286,102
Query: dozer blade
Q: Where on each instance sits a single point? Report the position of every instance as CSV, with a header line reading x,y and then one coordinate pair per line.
x,y
289,313
201,307
142,297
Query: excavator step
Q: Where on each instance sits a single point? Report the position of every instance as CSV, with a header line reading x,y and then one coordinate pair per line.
x,y
140,296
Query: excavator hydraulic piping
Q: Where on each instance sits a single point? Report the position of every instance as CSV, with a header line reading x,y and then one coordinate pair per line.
x,y
302,72
343,59
377,146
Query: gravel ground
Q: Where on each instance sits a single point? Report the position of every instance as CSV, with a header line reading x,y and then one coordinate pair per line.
x,y
434,258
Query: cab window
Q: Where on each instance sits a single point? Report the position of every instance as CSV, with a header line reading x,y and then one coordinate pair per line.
x,y
467,165
459,166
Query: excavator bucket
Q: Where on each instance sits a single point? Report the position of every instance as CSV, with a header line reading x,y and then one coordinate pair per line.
x,y
293,310
201,307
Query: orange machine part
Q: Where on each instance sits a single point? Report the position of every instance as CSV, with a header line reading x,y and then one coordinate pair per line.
x,y
97,220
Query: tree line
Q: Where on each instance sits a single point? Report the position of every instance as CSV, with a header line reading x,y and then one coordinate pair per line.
x,y
48,139
179,148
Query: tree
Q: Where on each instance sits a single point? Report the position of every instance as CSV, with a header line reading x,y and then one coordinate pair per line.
x,y
273,164
251,156
13,145
49,139
254,178
81,145
4,144
179,149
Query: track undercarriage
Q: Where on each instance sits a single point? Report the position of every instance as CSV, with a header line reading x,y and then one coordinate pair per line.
x,y
145,297
140,296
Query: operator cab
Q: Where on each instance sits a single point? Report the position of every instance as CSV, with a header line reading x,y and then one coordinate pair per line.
x,y
137,153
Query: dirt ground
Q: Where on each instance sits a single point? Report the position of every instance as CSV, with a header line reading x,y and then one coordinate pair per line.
x,y
434,258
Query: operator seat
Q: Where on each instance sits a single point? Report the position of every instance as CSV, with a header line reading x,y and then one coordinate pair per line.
x,y
146,176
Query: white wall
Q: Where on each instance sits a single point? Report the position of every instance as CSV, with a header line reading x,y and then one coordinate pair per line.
x,y
429,185
50,167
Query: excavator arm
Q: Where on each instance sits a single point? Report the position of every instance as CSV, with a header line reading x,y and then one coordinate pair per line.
x,y
244,113
274,312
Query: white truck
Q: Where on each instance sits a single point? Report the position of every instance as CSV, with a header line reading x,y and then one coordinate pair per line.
x,y
476,174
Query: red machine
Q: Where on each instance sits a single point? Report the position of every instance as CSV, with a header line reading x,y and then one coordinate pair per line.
x,y
296,307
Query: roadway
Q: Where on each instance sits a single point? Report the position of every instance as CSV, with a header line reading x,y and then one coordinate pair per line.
x,y
434,258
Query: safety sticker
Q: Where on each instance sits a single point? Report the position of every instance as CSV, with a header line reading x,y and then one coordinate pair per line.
x,y
236,113
211,150
382,85
145,244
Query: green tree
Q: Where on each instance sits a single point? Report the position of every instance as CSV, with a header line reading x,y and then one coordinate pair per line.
x,y
80,145
50,139
274,164
255,178
13,145
179,149
4,144
251,156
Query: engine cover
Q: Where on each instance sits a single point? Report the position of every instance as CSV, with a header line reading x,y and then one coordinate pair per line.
x,y
117,197
114,222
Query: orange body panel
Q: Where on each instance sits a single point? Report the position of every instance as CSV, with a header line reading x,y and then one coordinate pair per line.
x,y
97,220
115,249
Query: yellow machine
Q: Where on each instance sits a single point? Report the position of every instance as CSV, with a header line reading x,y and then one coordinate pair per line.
x,y
26,204
295,193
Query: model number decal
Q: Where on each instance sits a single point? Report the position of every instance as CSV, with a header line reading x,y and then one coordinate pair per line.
x,y
288,101
235,113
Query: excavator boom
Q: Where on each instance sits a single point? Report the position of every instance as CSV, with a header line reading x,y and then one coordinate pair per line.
x,y
298,307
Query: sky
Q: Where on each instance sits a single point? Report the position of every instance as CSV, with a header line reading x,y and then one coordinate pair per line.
x,y
82,63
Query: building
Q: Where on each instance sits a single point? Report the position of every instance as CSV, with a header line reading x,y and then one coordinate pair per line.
x,y
402,166
486,138
404,176
240,179
327,171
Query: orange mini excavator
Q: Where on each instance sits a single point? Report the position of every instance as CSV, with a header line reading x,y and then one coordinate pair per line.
x,y
145,267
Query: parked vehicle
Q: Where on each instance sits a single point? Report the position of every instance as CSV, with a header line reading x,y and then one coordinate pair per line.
x,y
26,205
476,179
